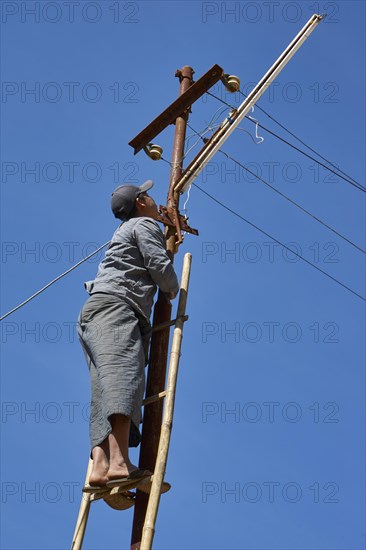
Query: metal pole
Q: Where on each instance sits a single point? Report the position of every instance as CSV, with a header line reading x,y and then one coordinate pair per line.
x,y
166,428
237,115
160,340
81,522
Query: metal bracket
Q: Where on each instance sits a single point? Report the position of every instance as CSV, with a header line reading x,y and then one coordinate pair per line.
x,y
170,217
175,109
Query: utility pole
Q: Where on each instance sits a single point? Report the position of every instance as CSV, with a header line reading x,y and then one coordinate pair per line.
x,y
160,340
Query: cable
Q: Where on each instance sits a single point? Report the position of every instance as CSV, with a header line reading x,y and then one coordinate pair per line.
x,y
294,203
271,237
357,185
222,101
256,122
288,198
208,127
195,143
250,135
301,141
52,282
353,182
279,242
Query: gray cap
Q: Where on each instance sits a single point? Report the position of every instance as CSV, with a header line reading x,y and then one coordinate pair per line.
x,y
123,198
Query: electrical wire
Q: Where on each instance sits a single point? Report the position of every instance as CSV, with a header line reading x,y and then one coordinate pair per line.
x,y
302,142
273,238
207,128
251,136
345,177
222,101
278,242
53,281
294,203
289,199
357,185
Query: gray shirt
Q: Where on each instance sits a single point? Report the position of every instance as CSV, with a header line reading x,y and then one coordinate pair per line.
x,y
135,263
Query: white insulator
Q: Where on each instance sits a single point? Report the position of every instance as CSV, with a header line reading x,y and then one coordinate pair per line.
x,y
155,151
232,83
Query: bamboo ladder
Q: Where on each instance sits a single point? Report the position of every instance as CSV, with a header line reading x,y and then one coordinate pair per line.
x,y
166,427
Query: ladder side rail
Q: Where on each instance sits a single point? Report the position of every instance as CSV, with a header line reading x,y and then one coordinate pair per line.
x,y
81,522
166,428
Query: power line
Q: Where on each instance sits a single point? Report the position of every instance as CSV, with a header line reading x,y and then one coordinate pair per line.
x,y
294,203
347,179
54,281
270,236
222,101
287,198
301,141
279,242
357,185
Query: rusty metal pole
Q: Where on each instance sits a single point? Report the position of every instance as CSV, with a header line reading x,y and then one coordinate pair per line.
x,y
160,340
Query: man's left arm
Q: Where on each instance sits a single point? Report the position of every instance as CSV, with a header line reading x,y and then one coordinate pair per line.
x,y
151,243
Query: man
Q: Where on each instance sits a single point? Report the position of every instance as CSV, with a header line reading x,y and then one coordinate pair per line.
x,y
114,331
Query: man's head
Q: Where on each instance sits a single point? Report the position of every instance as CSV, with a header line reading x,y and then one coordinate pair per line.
x,y
130,201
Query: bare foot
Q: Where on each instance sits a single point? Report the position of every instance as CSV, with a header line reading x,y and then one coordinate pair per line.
x,y
118,470
98,476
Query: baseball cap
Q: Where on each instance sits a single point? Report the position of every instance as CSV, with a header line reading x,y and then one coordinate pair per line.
x,y
123,198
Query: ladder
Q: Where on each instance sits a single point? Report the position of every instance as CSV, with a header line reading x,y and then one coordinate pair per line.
x,y
114,498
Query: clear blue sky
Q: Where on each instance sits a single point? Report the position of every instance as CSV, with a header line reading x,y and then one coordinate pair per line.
x,y
267,449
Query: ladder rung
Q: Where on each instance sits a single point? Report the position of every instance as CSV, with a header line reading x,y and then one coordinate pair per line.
x,y
154,398
168,324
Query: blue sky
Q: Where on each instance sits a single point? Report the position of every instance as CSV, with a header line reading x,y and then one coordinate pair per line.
x,y
267,449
